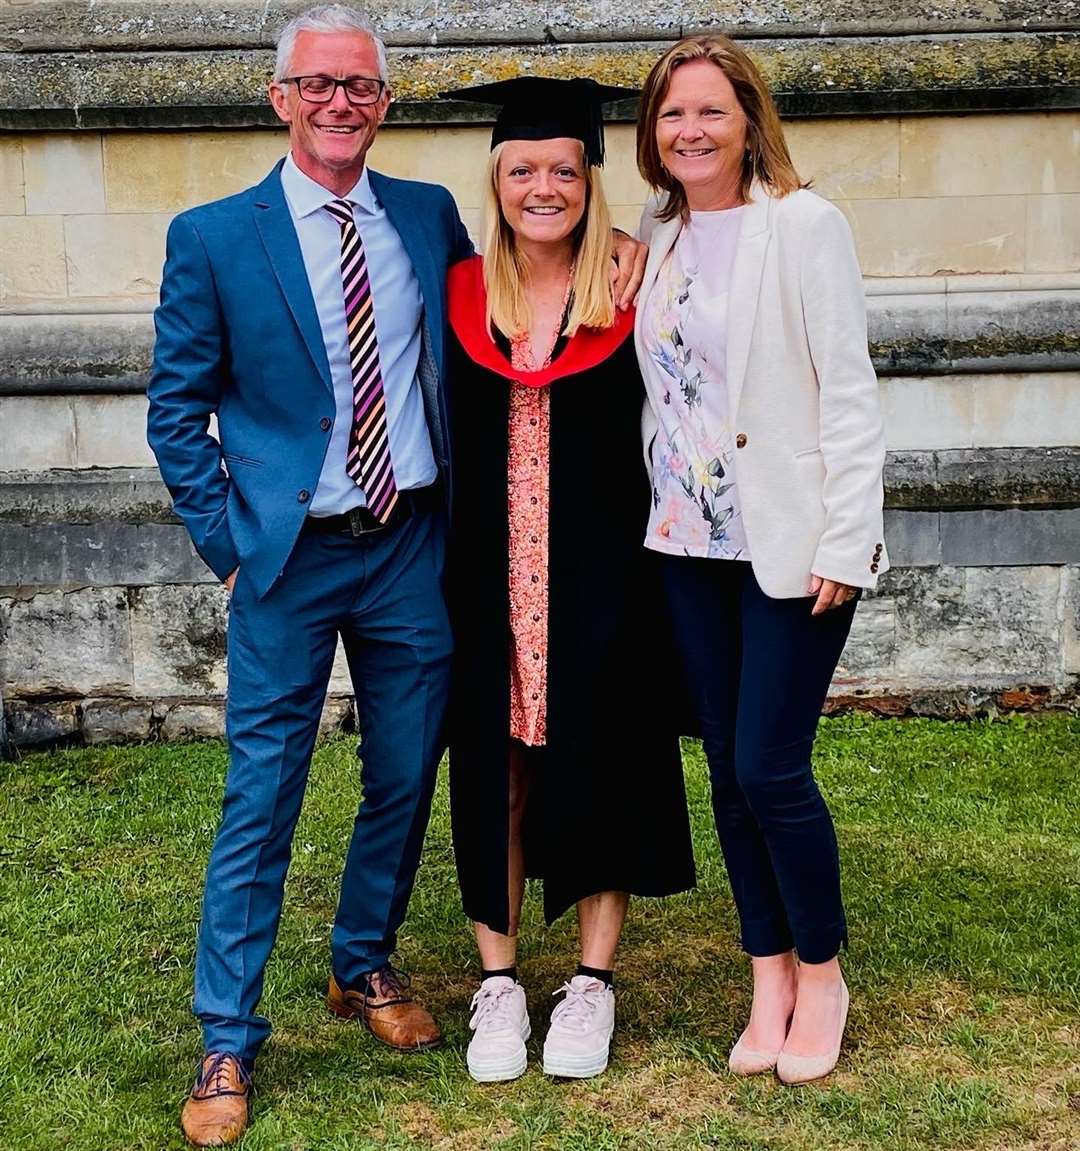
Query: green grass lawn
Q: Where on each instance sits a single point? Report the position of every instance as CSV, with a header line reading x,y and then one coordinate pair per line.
x,y
962,878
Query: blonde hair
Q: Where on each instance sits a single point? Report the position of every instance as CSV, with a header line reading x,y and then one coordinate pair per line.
x,y
767,157
506,267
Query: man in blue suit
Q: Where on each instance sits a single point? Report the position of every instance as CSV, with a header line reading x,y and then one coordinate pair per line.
x,y
307,313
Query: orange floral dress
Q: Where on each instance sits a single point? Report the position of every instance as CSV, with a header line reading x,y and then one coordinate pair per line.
x,y
527,497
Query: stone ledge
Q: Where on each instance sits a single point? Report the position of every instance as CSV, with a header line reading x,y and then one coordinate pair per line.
x,y
945,480
37,723
147,558
112,25
810,77
934,333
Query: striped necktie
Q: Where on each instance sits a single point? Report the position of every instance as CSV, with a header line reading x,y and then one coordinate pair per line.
x,y
368,462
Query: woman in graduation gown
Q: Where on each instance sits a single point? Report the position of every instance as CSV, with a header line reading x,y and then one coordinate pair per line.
x,y
562,766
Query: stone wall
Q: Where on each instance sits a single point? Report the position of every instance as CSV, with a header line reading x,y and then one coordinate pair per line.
x,y
950,138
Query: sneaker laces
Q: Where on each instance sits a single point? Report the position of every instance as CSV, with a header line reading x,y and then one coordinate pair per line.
x,y
493,1008
213,1079
576,1011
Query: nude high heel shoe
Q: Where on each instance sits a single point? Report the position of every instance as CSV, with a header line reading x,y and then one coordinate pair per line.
x,y
745,1061
793,1069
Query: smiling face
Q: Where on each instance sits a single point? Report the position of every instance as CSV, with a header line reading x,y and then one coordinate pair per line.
x,y
701,135
542,189
329,141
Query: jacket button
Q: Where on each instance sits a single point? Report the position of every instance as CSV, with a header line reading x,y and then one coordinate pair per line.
x,y
303,495
740,440
873,567
324,423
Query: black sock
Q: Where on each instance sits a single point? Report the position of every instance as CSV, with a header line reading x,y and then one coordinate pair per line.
x,y
605,977
509,972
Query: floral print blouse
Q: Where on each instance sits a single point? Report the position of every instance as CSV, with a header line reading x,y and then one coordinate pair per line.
x,y
695,501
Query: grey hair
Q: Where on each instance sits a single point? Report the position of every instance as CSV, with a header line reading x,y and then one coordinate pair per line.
x,y
327,18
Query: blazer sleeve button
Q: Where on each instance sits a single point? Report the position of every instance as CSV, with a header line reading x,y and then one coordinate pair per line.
x,y
740,440
324,423
873,567
303,495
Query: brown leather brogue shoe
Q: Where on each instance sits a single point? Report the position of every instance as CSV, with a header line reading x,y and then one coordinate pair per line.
x,y
216,1111
388,1011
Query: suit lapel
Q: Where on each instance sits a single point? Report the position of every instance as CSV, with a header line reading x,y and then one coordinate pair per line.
x,y
660,243
402,212
278,234
744,290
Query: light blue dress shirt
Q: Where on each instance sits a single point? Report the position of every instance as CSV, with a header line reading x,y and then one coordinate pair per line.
x,y
398,309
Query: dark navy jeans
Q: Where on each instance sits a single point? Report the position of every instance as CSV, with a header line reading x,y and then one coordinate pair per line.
x,y
382,594
758,672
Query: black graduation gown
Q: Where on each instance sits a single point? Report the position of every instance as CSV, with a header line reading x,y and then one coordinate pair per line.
x,y
607,807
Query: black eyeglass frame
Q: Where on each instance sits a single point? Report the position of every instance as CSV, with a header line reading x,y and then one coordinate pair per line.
x,y
342,84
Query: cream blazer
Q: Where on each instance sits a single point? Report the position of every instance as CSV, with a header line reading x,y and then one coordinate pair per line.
x,y
803,397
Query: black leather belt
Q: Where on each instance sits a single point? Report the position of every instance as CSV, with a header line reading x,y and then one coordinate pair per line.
x,y
359,522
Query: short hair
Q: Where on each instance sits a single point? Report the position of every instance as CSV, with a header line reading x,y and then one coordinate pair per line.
x,y
506,268
327,18
767,157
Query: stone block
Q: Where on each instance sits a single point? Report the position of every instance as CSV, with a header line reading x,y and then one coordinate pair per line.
x,y
338,716
340,680
913,538
453,157
927,412
32,262
36,432
189,721
64,174
12,195
66,643
987,155
871,645
1015,537
1011,325
168,172
85,496
1053,234
178,640
30,723
119,255
848,159
938,235
908,333
105,554
1070,597
111,432
979,628
72,352
627,217
623,184
1026,410
116,720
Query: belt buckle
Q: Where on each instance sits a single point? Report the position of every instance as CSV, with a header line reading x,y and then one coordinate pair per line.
x,y
356,523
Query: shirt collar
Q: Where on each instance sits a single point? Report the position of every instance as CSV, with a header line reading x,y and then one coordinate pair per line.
x,y
307,196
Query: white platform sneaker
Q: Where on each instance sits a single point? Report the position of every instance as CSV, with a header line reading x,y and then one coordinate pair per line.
x,y
579,1040
500,1026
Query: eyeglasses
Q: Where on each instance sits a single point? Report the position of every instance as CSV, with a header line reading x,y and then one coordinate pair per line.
x,y
359,90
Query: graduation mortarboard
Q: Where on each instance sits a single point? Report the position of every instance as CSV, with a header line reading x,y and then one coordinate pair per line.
x,y
542,108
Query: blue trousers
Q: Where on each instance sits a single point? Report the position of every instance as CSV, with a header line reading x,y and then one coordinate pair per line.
x,y
382,594
758,672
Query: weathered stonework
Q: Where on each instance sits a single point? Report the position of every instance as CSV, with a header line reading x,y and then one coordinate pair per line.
x,y
116,720
847,76
72,644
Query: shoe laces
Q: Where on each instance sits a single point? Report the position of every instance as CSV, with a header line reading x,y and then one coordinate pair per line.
x,y
577,1010
493,1007
388,982
213,1078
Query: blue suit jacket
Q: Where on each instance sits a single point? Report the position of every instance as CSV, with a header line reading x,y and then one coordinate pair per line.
x,y
238,336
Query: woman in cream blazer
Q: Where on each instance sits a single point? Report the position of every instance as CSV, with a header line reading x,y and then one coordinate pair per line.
x,y
763,439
